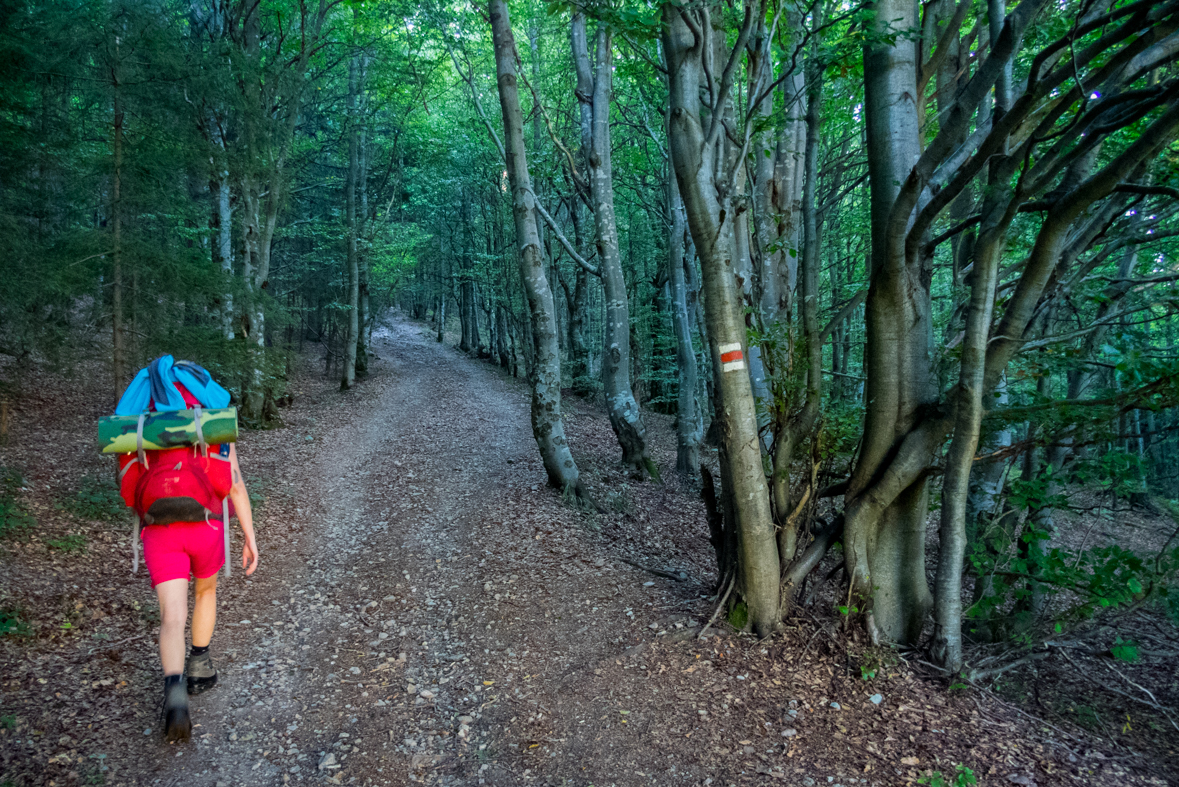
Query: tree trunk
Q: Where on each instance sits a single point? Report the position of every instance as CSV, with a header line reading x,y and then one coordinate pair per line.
x,y
223,242
547,426
800,426
118,339
476,335
466,292
353,335
689,423
577,303
947,642
466,284
781,277
501,337
365,315
625,416
885,549
693,149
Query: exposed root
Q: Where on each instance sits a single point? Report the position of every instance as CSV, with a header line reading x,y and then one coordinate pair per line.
x,y
719,607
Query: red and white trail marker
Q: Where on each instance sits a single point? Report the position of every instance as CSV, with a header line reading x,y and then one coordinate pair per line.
x,y
732,359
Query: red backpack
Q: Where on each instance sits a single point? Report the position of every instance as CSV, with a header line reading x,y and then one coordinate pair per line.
x,y
186,484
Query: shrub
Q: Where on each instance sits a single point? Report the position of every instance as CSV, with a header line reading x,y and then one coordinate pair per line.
x,y
13,624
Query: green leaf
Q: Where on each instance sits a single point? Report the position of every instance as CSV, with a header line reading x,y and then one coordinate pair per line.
x,y
1124,650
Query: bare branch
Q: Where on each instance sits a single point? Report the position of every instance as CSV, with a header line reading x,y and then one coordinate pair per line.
x,y
561,237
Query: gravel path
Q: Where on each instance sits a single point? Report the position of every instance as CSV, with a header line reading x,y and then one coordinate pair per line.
x,y
427,611
399,637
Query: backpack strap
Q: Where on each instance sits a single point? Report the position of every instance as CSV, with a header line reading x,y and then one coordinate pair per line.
x,y
135,523
225,527
125,470
139,440
200,432
135,545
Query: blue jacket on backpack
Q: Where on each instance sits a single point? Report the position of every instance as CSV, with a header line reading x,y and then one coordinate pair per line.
x,y
157,383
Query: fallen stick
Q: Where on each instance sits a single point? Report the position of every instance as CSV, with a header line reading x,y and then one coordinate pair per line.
x,y
657,572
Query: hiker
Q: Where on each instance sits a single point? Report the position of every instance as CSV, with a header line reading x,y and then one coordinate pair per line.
x,y
181,496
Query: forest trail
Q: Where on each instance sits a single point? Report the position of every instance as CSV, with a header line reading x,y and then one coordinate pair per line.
x,y
425,537
427,611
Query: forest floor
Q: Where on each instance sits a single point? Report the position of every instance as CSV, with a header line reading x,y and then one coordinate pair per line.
x,y
428,611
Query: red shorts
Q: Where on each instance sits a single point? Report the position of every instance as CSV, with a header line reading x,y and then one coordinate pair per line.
x,y
176,550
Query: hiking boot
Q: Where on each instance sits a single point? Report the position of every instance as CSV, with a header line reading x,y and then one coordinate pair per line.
x,y
201,674
177,725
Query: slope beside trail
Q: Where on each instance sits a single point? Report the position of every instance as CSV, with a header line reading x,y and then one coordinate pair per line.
x,y
428,611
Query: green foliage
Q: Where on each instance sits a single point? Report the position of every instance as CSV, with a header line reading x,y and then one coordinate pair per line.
x,y
962,777
97,498
15,520
13,623
69,544
1124,650
1089,581
875,661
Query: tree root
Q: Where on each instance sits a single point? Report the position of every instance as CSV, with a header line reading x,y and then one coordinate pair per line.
x,y
797,571
719,607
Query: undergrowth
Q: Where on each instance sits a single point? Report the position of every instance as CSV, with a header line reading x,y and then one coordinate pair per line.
x,y
13,623
1028,591
97,498
15,520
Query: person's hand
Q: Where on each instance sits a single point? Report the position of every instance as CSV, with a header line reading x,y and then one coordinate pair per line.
x,y
250,555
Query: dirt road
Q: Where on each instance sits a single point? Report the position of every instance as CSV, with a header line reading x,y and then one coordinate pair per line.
x,y
427,611
428,608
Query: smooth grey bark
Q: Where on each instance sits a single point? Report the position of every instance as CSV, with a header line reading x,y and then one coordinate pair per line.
x,y
547,426
987,480
118,337
223,242
885,551
353,335
968,414
625,416
694,148
363,337
468,332
689,423
799,426
780,268
469,314
503,357
577,305
267,137
763,186
578,300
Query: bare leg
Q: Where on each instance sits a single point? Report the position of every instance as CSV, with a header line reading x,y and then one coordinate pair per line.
x,y
204,611
173,596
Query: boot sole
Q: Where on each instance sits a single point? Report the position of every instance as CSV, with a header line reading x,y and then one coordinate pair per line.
x,y
198,685
177,726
